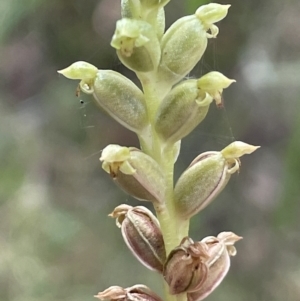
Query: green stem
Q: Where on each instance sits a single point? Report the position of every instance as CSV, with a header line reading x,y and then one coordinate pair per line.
x,y
173,229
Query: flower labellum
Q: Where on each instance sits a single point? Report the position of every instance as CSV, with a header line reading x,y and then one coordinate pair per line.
x,y
137,173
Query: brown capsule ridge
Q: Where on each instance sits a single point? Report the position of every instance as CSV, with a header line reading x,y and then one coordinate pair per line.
x,y
141,293
141,232
215,276
143,236
138,292
185,269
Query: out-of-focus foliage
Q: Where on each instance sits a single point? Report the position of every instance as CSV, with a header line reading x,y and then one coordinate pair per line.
x,y
56,240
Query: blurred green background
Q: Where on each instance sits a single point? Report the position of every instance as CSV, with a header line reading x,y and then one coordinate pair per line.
x,y
56,241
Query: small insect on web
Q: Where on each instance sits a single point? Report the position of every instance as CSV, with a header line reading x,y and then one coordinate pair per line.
x,y
77,92
220,105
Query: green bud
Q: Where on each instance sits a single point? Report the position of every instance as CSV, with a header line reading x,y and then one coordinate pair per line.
x,y
137,173
137,292
137,45
156,17
113,92
142,234
130,9
220,249
122,99
182,46
181,111
206,177
185,269
149,11
187,105
184,43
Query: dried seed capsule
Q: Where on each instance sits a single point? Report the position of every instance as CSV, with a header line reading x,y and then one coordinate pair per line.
x,y
138,292
113,92
184,43
220,249
185,269
206,177
137,45
187,105
137,173
142,234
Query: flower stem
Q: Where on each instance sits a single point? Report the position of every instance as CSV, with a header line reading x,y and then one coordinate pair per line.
x,y
173,229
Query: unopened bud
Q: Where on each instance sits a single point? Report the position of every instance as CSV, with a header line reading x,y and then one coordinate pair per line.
x,y
220,249
184,43
181,111
138,292
142,234
150,11
137,45
206,177
187,105
185,269
137,173
113,92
